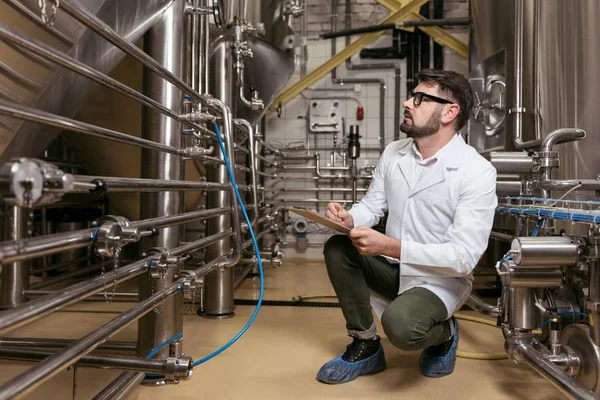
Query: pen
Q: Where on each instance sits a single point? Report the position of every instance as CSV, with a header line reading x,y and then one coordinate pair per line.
x,y
344,205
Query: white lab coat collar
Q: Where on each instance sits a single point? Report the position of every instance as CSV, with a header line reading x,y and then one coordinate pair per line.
x,y
448,158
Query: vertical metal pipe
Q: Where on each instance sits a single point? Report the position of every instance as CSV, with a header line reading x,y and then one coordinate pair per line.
x,y
397,82
523,313
192,23
15,276
164,42
438,50
218,292
203,48
594,299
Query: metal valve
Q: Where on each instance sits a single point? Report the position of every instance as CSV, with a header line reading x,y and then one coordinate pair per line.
x,y
28,181
159,266
189,284
178,368
114,232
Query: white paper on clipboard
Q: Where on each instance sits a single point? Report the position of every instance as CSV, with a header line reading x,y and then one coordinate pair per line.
x,y
320,219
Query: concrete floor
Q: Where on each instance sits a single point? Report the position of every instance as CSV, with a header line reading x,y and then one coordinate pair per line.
x,y
281,353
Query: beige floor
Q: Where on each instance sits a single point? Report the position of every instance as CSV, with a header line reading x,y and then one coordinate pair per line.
x,y
281,353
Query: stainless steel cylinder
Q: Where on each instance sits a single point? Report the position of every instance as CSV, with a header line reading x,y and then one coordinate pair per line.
x,y
218,292
164,42
509,188
14,279
547,250
531,277
522,312
511,162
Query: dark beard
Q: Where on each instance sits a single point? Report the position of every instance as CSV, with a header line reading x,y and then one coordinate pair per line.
x,y
430,128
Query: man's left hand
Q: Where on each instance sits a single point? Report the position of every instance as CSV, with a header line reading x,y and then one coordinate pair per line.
x,y
369,242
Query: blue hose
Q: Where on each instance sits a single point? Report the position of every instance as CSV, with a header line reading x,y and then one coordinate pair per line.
x,y
262,283
260,265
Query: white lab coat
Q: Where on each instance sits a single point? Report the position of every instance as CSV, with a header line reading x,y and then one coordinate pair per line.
x,y
443,219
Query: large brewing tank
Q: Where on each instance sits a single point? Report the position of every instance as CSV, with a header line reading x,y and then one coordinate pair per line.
x,y
561,88
53,89
272,63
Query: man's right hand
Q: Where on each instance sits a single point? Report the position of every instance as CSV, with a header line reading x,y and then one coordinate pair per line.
x,y
337,213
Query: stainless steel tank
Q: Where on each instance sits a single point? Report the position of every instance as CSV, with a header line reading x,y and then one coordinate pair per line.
x,y
560,84
55,89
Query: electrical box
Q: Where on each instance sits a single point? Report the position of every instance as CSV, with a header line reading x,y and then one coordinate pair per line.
x,y
325,116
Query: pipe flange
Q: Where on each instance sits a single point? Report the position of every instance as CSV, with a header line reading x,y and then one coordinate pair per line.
x,y
573,360
178,368
106,239
517,110
159,266
548,159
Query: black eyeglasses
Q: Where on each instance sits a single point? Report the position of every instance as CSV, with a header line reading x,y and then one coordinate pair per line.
x,y
418,98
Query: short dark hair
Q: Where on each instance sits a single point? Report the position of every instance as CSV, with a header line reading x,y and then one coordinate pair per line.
x,y
453,85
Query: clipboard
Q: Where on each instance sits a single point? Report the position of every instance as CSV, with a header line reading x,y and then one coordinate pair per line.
x,y
320,219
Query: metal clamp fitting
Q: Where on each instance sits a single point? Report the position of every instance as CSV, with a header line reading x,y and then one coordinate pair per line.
x,y
114,232
178,368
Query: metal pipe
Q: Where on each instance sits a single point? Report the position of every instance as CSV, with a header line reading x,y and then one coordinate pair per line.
x,y
48,53
312,189
65,277
177,219
503,237
512,161
60,343
562,135
545,251
115,184
14,278
167,49
31,114
229,140
122,385
563,382
311,167
382,83
203,50
259,236
41,372
251,145
482,306
518,108
18,78
27,13
12,251
46,369
562,185
90,20
509,188
104,361
39,308
115,297
57,266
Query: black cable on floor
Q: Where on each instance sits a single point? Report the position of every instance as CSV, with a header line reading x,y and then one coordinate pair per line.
x,y
283,303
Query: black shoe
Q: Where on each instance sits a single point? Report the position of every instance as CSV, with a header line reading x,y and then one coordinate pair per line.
x,y
360,349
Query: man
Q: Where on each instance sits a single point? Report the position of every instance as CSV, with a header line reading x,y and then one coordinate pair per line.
x,y
440,195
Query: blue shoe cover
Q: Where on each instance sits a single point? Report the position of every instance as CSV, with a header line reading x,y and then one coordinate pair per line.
x,y
438,366
340,371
